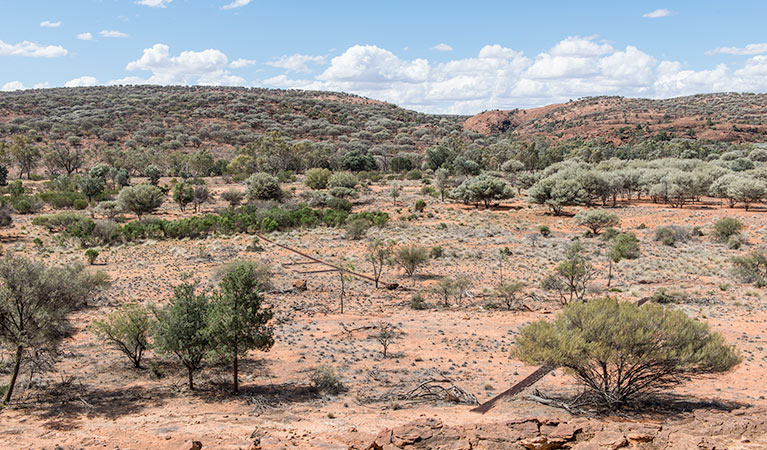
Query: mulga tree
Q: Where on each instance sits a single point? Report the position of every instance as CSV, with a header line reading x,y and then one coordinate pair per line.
x,y
238,320
183,194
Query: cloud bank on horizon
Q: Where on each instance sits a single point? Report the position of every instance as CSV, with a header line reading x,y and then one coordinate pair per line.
x,y
495,76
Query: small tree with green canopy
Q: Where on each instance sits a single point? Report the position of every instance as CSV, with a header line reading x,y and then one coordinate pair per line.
x,y
140,199
623,246
153,173
182,327
262,186
483,189
183,194
34,302
571,277
127,329
556,192
442,181
621,352
317,178
411,257
91,187
510,292
238,320
379,253
596,220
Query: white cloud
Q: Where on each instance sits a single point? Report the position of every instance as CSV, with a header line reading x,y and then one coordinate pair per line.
x,y
31,49
154,3
297,62
658,13
12,86
207,67
49,24
236,4
44,85
240,63
113,34
750,49
500,77
82,81
85,36
442,47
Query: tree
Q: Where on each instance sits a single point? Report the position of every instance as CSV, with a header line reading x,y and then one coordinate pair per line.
x,y
442,181
621,351
445,288
317,178
153,173
379,253
262,186
343,277
34,302
64,157
238,320
140,199
482,189
182,327
623,246
24,154
386,334
510,292
183,194
556,192
91,187
596,220
411,257
127,329
358,162
747,190
570,278
201,195
394,192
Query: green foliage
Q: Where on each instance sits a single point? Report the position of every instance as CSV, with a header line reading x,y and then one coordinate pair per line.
x,y
624,246
343,180
238,319
419,206
317,178
183,194
751,268
727,227
182,327
571,277
482,189
325,380
91,187
544,230
418,303
411,257
596,219
140,199
356,161
262,186
510,293
128,330
233,197
556,192
594,341
665,296
153,173
357,228
91,254
671,234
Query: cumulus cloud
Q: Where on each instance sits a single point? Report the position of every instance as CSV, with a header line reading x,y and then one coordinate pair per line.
x,y
297,62
113,34
501,77
442,47
82,81
240,63
49,24
12,86
85,36
207,67
236,4
750,49
154,3
31,49
658,13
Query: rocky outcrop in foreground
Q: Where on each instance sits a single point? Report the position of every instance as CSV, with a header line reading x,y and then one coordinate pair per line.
x,y
702,429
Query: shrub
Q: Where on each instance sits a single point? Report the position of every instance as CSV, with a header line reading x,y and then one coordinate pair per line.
x,y
726,227
593,340
544,230
325,379
91,254
571,277
262,186
418,303
664,296
510,292
596,220
127,329
340,204
419,206
153,173
436,252
141,199
411,257
751,268
80,204
671,234
91,187
343,180
317,178
183,194
414,174
357,228
233,197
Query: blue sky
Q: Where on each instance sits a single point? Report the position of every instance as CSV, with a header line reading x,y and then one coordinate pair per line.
x,y
452,57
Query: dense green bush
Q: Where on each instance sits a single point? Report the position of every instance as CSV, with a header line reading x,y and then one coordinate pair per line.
x,y
317,178
594,340
262,186
727,227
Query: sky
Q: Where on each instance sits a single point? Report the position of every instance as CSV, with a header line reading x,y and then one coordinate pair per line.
x,y
431,56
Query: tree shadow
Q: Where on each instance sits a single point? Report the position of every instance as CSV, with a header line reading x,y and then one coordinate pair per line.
x,y
63,404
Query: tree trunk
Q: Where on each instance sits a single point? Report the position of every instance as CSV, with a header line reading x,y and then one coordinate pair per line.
x,y
610,274
234,374
191,378
12,383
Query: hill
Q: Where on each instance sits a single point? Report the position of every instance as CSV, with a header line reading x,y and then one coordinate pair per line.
x,y
728,117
